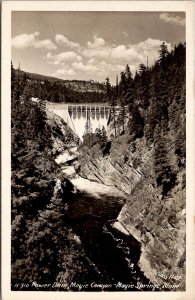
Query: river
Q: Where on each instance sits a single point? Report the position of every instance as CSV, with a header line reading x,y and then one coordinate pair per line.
x,y
92,214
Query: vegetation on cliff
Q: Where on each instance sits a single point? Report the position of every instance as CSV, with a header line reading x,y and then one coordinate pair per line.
x,y
147,160
44,249
152,106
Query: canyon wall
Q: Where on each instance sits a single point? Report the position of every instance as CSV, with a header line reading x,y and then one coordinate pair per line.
x,y
157,221
147,161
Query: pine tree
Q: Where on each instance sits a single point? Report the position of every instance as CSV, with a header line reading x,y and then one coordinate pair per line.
x,y
122,85
98,133
142,69
128,76
136,123
117,88
108,89
126,95
143,87
122,113
165,175
113,103
88,131
103,137
163,53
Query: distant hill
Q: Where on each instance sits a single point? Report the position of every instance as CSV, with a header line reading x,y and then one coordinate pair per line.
x,y
85,86
76,85
40,77
58,90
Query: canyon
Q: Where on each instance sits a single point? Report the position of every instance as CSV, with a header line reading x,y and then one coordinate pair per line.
x,y
156,224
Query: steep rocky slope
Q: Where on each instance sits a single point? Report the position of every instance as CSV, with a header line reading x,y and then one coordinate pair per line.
x,y
116,169
157,222
62,135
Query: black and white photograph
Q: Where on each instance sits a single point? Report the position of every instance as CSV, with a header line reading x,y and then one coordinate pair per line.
x,y
98,107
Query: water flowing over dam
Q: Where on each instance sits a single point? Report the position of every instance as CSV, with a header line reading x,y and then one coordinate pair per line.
x,y
75,115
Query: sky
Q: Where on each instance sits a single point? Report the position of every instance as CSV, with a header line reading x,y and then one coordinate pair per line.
x,y
91,45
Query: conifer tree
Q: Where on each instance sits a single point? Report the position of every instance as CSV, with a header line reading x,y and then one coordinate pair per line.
x,y
103,137
143,86
122,113
113,102
108,89
163,53
88,131
128,75
136,123
98,134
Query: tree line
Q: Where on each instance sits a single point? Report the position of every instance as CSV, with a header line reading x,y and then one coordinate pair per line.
x,y
131,97
58,91
151,105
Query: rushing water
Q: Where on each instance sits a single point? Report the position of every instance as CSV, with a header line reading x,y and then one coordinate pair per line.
x,y
76,115
92,214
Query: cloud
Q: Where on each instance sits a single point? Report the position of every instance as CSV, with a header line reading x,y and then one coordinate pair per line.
x,y
123,53
68,57
24,41
172,18
82,67
47,44
62,40
132,54
97,69
106,68
94,53
98,42
65,71
150,47
99,59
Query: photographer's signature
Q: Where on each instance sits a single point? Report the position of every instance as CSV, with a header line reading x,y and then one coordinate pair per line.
x,y
171,276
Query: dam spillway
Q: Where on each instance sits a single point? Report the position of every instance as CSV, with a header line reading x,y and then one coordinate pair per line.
x,y
75,115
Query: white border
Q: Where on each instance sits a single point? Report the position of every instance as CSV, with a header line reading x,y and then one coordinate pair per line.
x,y
7,7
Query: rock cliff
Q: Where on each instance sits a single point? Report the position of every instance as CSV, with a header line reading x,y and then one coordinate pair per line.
x,y
62,135
156,221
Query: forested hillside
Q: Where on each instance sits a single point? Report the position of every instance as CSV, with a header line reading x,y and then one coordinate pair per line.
x,y
146,159
62,91
151,105
43,246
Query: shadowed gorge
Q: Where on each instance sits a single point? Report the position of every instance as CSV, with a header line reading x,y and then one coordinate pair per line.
x,y
98,187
